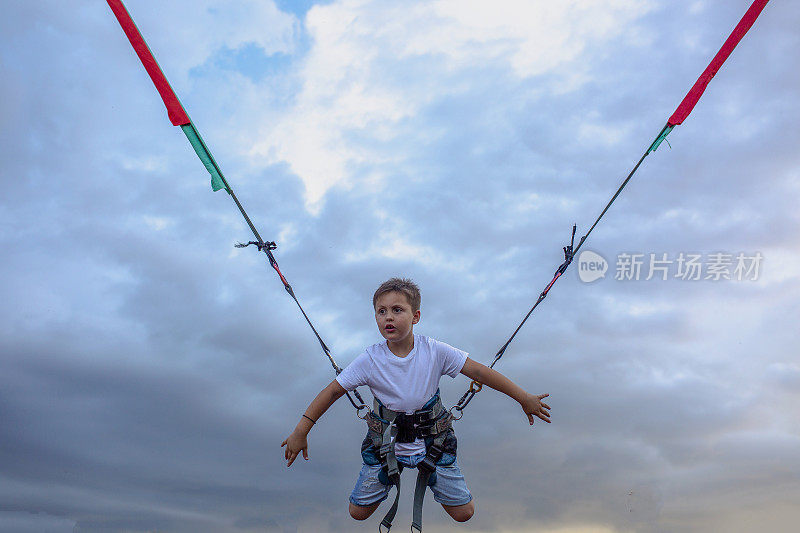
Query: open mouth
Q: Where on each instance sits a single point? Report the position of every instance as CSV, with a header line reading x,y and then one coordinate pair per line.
x,y
389,328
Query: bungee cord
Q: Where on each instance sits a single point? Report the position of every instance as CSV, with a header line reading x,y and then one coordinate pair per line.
x,y
681,112
178,116
569,253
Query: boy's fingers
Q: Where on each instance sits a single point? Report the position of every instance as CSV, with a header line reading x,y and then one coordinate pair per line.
x,y
543,396
305,454
284,443
545,406
530,418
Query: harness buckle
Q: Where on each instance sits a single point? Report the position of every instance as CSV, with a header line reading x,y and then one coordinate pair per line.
x,y
406,429
427,464
424,417
432,457
385,449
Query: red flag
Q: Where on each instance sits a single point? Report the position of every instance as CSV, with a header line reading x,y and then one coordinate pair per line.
x,y
702,82
177,115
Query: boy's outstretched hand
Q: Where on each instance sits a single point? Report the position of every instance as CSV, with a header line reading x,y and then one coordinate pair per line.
x,y
533,405
298,442
295,443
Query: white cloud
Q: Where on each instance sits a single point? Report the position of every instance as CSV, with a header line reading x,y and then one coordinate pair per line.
x,y
533,37
157,223
352,95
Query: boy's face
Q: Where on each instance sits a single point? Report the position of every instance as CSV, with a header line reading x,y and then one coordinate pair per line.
x,y
394,316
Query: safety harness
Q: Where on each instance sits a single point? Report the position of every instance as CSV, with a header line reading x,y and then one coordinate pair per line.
x,y
433,423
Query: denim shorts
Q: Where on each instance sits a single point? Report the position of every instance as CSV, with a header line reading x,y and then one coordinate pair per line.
x,y
450,488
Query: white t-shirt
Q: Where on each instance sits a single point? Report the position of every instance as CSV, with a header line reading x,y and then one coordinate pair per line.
x,y
404,384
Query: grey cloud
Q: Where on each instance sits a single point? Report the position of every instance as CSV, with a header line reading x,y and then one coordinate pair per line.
x,y
149,375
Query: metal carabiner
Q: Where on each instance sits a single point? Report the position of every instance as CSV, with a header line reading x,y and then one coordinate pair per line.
x,y
472,388
460,411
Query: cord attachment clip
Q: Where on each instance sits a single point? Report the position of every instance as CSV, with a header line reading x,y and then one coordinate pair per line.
x,y
269,245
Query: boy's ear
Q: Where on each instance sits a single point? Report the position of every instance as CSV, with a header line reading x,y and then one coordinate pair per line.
x,y
416,317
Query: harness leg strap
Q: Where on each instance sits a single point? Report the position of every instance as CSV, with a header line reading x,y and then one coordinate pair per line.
x,y
389,459
419,499
424,471
390,514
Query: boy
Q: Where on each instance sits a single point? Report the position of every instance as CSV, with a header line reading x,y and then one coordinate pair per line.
x,y
403,375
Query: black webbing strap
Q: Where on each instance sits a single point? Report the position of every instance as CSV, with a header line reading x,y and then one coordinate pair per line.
x,y
474,386
619,190
388,458
267,248
392,512
424,471
569,253
419,498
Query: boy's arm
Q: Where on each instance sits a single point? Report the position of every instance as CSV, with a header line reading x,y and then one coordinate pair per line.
x,y
297,442
531,403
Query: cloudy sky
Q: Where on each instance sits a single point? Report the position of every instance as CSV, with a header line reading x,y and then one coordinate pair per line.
x,y
149,370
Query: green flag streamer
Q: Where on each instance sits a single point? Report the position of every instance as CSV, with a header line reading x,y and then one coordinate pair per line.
x,y
217,180
177,114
